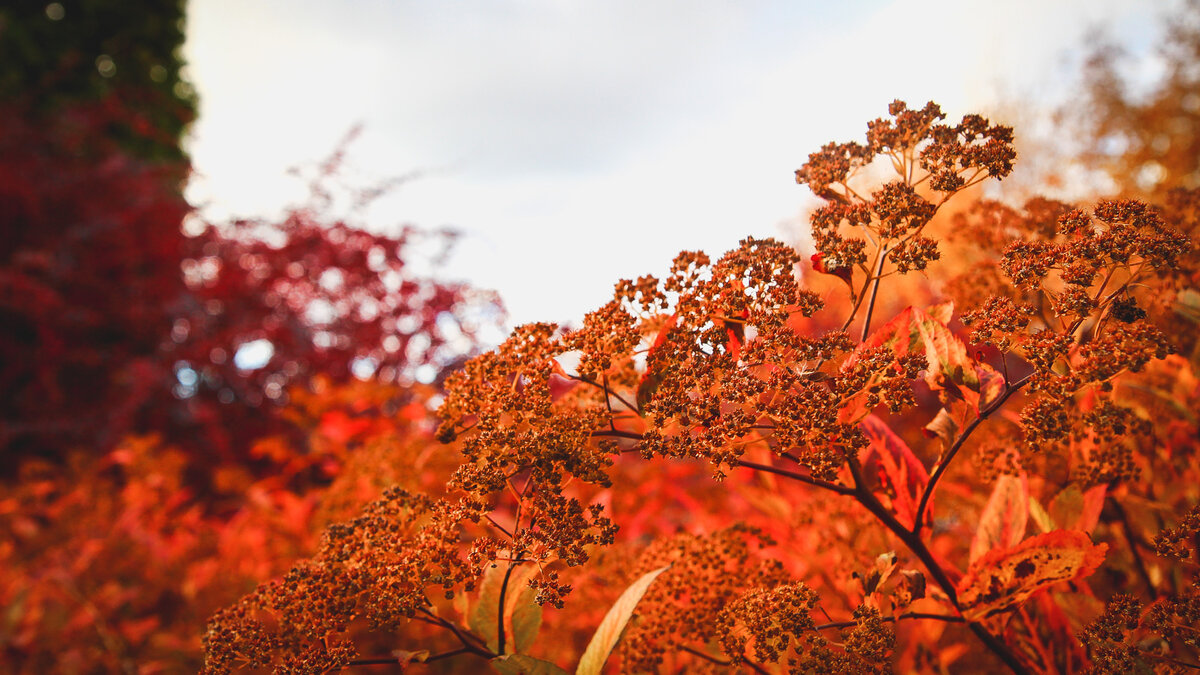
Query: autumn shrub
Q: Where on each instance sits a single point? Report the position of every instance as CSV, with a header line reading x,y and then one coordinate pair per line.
x,y
112,563
758,472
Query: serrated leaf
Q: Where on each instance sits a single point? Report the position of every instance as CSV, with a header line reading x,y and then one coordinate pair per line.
x,y
1003,521
522,664
613,625
903,475
949,363
1004,578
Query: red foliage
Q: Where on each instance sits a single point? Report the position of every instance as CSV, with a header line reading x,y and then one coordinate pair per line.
x,y
113,321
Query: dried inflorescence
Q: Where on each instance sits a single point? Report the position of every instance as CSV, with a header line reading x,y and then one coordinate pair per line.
x,y
1179,541
997,321
1130,637
938,159
1073,315
770,625
706,574
378,567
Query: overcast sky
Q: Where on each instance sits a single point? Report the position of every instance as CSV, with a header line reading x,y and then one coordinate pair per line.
x,y
574,143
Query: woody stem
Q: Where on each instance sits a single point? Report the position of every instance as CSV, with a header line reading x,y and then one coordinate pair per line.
x,y
944,463
866,329
863,495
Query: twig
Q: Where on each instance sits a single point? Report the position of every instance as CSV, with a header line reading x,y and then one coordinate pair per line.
x,y
607,391
832,487
500,610
866,329
944,463
616,433
498,526
948,618
1131,540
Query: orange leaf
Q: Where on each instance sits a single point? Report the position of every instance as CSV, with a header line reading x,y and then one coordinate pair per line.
x,y
1004,578
1003,521
1073,509
951,370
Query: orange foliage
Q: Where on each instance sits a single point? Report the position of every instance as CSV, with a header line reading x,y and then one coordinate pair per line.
x,y
763,480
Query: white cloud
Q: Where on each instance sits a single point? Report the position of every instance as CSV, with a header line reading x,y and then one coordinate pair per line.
x,y
576,143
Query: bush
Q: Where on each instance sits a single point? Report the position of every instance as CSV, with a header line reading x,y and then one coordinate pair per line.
x,y
896,492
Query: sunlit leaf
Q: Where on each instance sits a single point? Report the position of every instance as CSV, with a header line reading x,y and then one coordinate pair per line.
x,y
1005,578
1039,515
1003,521
522,613
1074,509
609,632
484,617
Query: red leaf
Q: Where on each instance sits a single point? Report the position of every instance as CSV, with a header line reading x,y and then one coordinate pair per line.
x,y
901,474
843,273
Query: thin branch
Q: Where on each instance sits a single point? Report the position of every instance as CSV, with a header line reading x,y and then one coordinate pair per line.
x,y
944,463
706,657
471,642
500,609
948,618
498,526
803,478
446,655
866,329
616,433
1131,540
394,660
607,392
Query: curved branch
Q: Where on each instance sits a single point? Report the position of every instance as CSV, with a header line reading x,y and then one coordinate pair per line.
x,y
914,543
948,618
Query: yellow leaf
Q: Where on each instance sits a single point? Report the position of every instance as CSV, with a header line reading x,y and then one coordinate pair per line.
x,y
609,632
520,664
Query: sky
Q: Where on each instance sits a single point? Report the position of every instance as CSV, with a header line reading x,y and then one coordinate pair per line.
x,y
576,143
